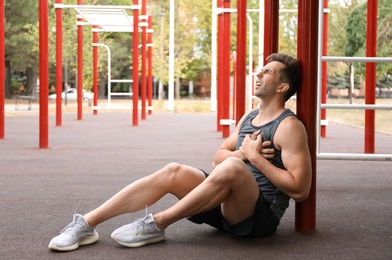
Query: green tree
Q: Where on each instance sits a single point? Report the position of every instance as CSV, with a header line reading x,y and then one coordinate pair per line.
x,y
356,36
337,19
355,31
288,24
192,38
20,45
70,45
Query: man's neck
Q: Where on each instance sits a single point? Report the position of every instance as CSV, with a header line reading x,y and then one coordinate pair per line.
x,y
268,112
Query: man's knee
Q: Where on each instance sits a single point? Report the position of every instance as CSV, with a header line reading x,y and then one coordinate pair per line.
x,y
233,164
180,179
172,168
172,172
231,169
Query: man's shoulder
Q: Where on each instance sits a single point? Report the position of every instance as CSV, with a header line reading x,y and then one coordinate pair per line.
x,y
290,131
291,120
292,126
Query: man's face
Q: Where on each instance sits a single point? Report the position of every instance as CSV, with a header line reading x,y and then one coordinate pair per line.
x,y
268,79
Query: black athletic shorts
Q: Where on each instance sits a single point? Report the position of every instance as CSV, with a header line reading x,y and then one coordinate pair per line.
x,y
263,222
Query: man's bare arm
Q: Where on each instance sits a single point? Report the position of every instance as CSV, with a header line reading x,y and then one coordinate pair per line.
x,y
227,148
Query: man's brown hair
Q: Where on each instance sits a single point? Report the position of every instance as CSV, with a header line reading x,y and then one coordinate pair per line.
x,y
291,74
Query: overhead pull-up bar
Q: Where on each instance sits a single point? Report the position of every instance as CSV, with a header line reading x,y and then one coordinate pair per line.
x,y
105,18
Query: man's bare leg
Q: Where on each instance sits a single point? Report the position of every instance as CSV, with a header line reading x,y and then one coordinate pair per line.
x,y
176,179
173,178
230,184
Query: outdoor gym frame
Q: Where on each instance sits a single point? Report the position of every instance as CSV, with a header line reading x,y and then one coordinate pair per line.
x,y
44,64
116,19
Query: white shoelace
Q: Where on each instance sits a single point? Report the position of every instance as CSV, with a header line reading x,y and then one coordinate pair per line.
x,y
71,226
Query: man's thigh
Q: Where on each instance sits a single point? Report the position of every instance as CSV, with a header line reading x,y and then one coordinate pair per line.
x,y
186,179
241,202
244,191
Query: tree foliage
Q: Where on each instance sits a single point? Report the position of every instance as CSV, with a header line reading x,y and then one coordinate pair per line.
x,y
356,36
192,37
20,43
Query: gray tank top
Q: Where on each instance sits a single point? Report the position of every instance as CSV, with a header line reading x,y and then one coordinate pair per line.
x,y
277,199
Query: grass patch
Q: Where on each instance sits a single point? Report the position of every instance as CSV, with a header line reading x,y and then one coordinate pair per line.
x,y
356,117
184,106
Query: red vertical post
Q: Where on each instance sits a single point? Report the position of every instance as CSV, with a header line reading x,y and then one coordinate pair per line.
x,y
271,27
305,212
219,67
59,62
234,82
95,70
135,64
370,97
253,83
80,67
323,130
241,59
144,58
226,70
43,73
2,69
149,82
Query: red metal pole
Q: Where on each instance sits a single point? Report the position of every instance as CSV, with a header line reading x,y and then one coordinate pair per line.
x,y
59,62
305,212
144,63
226,70
43,74
370,97
135,65
95,70
2,69
234,82
241,59
323,130
271,27
253,84
220,67
149,83
80,67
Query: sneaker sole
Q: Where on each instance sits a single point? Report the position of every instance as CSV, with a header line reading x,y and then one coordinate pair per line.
x,y
85,241
142,243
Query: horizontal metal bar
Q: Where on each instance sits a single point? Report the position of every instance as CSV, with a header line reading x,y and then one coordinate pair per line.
x,y
354,156
233,10
107,7
121,94
357,106
226,122
121,80
356,59
113,108
120,107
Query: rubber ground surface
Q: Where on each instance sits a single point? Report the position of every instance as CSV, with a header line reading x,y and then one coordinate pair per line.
x,y
89,160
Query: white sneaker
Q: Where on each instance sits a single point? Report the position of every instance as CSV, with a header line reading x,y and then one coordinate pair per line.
x,y
139,233
75,234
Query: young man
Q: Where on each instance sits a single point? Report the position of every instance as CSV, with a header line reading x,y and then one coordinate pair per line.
x,y
263,164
